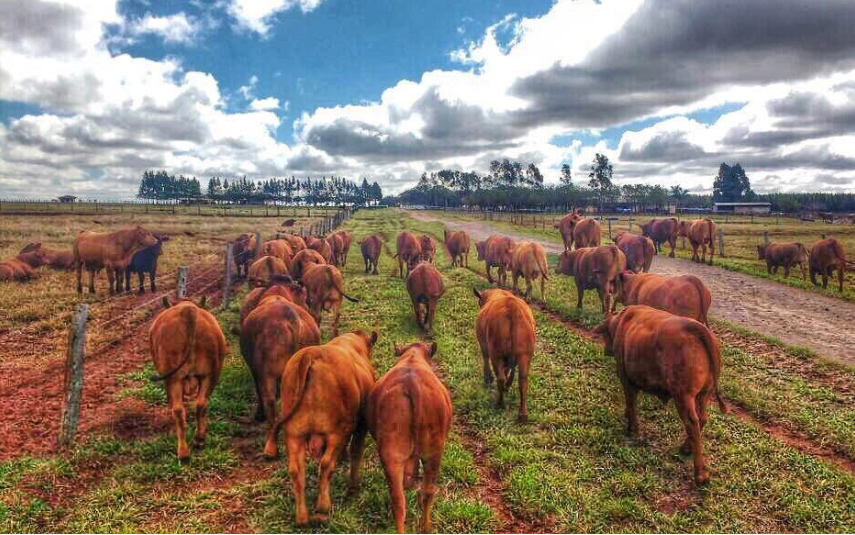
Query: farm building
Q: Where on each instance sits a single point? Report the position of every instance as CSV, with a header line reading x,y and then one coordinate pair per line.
x,y
742,207
66,198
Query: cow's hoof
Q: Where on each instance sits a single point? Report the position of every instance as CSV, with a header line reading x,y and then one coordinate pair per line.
x,y
702,477
321,518
199,443
685,448
301,520
271,453
522,419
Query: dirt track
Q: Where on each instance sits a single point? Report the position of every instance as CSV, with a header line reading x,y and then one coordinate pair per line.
x,y
798,317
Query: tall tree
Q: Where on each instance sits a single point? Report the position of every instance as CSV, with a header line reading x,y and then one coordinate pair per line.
x,y
566,177
732,184
600,177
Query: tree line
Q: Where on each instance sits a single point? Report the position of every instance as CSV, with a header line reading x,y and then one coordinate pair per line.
x,y
161,186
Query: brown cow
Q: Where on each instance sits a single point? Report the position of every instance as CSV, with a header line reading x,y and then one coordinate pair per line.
x,y
505,329
262,271
188,349
457,245
428,246
371,246
587,233
336,243
112,251
281,249
826,256
409,415
596,267
346,239
324,424
639,250
784,254
303,259
661,231
681,295
34,257
244,252
324,290
15,270
320,245
409,252
281,285
529,261
425,286
670,357
270,334
701,235
496,251
296,242
566,226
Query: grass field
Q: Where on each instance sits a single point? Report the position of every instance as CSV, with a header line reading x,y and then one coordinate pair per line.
x,y
570,469
92,208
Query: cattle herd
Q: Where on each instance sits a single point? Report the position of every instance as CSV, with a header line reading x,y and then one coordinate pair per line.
x,y
325,397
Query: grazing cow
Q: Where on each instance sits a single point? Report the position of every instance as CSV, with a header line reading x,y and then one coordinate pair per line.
x,y
529,261
244,252
15,270
566,226
112,251
457,245
371,246
496,251
346,239
336,244
281,249
409,252
145,261
596,267
505,329
281,285
188,349
425,286
321,423
784,255
681,295
670,357
273,331
409,415
303,259
296,242
639,250
701,234
661,231
428,246
826,256
322,246
324,291
262,271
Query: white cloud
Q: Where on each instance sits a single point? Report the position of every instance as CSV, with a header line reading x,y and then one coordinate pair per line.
x,y
257,15
247,91
264,104
173,29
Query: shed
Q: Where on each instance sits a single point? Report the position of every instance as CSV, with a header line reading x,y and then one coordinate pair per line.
x,y
66,198
742,207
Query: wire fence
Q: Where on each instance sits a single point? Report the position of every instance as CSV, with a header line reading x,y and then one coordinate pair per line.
x,y
98,207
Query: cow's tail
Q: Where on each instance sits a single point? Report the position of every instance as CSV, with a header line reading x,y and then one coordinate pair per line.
x,y
294,385
704,298
714,356
541,262
803,253
188,316
711,226
339,289
838,250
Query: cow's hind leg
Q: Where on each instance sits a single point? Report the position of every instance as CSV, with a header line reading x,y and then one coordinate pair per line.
x,y
267,392
92,281
501,382
488,373
687,409
522,416
297,471
630,394
335,308
427,496
357,448
206,386
110,281
394,469
175,395
335,443
431,313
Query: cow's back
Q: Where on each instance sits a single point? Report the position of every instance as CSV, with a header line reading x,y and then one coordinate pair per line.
x,y
506,325
587,233
425,281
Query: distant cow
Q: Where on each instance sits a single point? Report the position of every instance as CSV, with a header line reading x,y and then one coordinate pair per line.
x,y
188,349
596,267
496,251
145,261
826,256
457,244
346,239
505,329
371,246
63,260
296,242
670,357
425,286
529,262
112,251
566,225
302,260
661,231
701,234
409,252
681,295
578,230
15,270
322,423
244,252
272,332
428,245
639,251
262,271
786,255
281,249
324,292
322,246
337,247
409,415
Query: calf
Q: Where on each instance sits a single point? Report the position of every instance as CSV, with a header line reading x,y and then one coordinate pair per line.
x,y
187,349
701,234
35,258
784,255
639,251
272,332
428,246
670,357
15,270
63,260
596,267
661,231
145,261
371,246
112,251
409,252
281,249
681,295
324,292
322,423
303,259
425,286
826,256
505,329
262,271
346,239
409,415
244,252
496,251
529,261
457,245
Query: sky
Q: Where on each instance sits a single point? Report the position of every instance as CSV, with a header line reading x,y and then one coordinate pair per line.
x,y
93,92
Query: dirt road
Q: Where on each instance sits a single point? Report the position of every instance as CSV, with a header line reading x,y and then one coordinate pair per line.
x,y
798,317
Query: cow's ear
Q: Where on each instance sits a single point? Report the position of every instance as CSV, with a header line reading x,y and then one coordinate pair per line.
x,y
165,301
204,302
433,347
373,338
477,293
399,349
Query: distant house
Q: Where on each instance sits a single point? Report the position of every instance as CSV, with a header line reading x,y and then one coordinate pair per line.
x,y
67,198
742,207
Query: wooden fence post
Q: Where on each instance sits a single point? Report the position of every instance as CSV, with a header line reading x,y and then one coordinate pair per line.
x,y
227,284
683,240
257,250
610,228
766,237
75,355
721,243
181,286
